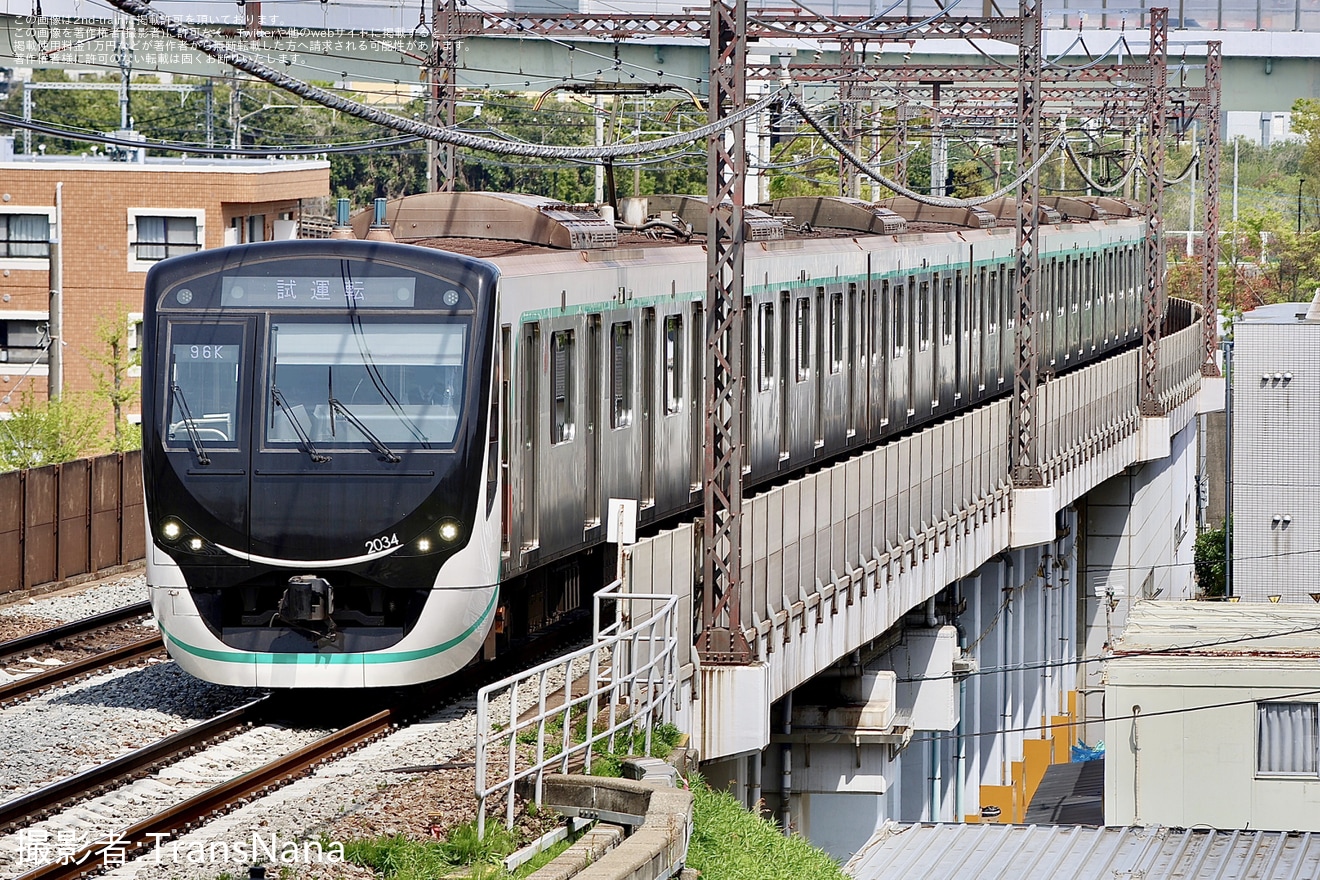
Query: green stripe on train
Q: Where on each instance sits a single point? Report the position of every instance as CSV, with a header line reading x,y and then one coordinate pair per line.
x,y
331,659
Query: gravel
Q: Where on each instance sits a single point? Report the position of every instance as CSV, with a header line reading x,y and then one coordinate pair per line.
x,y
373,792
58,733
369,793
82,601
97,819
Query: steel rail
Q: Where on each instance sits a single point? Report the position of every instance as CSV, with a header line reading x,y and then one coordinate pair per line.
x,y
219,799
26,687
37,804
229,795
74,628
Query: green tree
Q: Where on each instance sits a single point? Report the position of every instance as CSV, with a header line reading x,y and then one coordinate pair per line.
x,y
1210,562
40,432
112,363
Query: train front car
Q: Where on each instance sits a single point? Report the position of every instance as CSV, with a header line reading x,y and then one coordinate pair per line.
x,y
320,475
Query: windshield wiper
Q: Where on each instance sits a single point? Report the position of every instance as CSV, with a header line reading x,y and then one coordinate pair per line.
x,y
390,455
177,393
278,397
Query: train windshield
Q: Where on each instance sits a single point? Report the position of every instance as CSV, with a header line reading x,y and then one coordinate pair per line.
x,y
346,385
203,383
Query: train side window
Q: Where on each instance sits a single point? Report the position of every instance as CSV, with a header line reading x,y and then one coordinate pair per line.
x,y
836,332
766,368
923,314
900,319
1010,295
803,331
673,364
1089,275
621,406
1060,282
947,301
877,341
562,426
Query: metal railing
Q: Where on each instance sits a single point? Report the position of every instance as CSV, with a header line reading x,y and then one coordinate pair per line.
x,y
541,720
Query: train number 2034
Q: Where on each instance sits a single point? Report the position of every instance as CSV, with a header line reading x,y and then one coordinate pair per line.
x,y
375,545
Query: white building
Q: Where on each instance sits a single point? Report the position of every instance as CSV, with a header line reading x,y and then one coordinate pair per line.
x,y
1212,717
1275,474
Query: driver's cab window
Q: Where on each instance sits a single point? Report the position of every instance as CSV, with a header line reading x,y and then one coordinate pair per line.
x,y
202,385
359,384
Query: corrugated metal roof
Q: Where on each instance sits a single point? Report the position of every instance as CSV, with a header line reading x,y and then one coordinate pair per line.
x,y
1070,794
1033,852
1221,629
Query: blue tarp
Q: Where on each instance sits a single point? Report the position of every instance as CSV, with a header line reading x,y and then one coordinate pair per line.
x,y
1083,752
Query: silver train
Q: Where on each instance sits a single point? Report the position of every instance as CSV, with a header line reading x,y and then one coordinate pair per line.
x,y
398,482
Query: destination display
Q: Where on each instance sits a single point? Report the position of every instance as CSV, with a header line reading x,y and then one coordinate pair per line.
x,y
300,291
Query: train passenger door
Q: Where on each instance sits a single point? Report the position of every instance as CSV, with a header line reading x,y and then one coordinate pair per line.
x,y
697,396
786,380
855,373
818,402
531,374
649,420
591,507
564,448
960,341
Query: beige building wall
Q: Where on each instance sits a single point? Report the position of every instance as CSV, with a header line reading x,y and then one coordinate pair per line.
x,y
1182,733
101,201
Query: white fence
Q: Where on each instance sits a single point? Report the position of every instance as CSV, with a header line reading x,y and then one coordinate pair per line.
x,y
539,721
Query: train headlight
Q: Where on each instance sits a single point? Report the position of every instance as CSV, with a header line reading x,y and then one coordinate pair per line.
x,y
449,531
424,545
171,529
195,544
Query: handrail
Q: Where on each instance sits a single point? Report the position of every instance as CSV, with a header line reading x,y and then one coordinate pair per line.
x,y
625,680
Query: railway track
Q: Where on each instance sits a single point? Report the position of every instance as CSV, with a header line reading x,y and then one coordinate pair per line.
x,y
231,793
36,805
74,637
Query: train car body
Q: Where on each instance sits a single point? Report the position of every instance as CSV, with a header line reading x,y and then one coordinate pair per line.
x,y
315,437
347,536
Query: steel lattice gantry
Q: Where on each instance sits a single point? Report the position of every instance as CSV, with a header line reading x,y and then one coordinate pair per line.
x,y
1119,89
721,638
1153,157
1025,462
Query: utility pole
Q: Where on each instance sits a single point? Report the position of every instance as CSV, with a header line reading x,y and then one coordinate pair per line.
x,y
235,114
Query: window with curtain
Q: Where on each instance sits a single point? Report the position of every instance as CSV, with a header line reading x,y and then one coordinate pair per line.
x,y
1286,738
23,341
161,237
24,235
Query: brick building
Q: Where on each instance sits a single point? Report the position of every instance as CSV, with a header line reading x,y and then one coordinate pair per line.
x,y
118,219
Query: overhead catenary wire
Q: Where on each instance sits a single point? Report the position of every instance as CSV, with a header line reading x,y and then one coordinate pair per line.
x,y
1104,658
1184,710
179,147
143,12
937,201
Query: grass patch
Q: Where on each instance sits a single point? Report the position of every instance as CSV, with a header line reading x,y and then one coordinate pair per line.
x,y
631,743
729,843
458,855
541,859
402,858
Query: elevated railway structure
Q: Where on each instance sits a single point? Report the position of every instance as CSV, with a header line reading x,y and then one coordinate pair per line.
x,y
907,631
